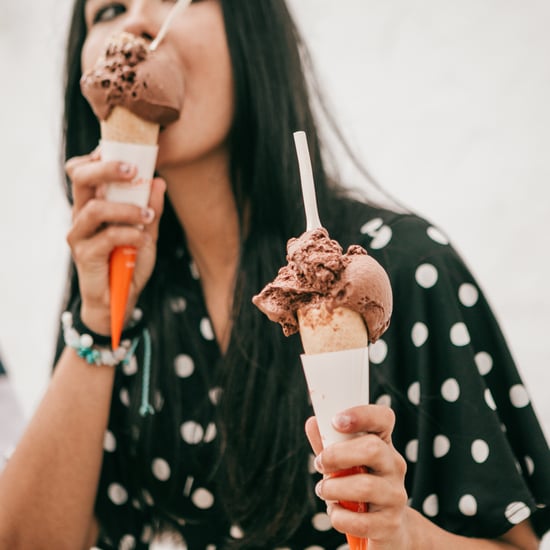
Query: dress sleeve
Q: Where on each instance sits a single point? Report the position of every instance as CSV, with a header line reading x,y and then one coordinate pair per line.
x,y
478,462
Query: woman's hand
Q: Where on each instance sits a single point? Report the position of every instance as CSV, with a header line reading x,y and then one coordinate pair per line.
x,y
99,226
382,485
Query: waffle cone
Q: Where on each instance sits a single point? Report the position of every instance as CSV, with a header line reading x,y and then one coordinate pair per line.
x,y
323,331
126,127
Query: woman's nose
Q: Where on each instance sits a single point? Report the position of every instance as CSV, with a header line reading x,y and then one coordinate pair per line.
x,y
143,19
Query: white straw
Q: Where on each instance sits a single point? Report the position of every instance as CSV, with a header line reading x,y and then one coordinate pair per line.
x,y
179,5
308,185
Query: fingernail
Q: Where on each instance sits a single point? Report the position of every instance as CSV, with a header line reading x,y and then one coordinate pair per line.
x,y
318,465
318,489
148,215
341,422
124,168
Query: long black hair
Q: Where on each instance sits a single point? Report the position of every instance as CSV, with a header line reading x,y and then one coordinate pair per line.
x,y
263,464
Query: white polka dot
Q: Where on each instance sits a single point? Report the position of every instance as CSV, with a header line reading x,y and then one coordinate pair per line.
x,y
109,442
411,450
315,547
214,395
161,469
468,295
516,512
117,493
480,451
372,226
413,393
147,534
236,532
131,367
210,547
419,334
530,465
450,390
460,335
203,499
206,329
378,352
468,505
184,365
210,433
158,401
382,238
343,547
489,399
188,486
321,522
178,305
127,542
484,362
426,275
519,396
384,399
441,445
430,506
149,500
191,432
437,236
194,270
124,397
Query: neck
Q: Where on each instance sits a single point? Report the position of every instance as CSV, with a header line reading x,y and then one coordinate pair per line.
x,y
203,201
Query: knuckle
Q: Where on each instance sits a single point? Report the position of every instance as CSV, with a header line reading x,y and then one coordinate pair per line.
x,y
389,414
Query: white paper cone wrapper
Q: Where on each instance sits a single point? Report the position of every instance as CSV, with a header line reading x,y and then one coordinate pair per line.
x,y
336,381
144,157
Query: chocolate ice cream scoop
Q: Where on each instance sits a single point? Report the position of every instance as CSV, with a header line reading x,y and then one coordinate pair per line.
x,y
129,75
318,273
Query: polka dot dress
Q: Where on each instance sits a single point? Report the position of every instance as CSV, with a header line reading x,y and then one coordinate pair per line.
x,y
478,463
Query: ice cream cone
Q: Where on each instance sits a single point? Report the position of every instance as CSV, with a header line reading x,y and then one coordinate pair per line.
x,y
336,367
126,127
127,137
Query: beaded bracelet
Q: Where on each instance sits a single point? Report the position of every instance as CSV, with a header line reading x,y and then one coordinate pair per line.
x,y
95,354
92,352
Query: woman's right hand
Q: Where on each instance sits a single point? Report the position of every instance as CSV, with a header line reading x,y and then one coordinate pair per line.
x,y
99,226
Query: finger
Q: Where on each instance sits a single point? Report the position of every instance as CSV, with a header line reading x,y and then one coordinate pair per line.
x,y
98,248
87,177
313,435
156,204
367,450
73,162
377,419
379,492
96,213
379,526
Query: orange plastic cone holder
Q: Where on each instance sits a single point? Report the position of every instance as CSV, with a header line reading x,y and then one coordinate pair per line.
x,y
122,263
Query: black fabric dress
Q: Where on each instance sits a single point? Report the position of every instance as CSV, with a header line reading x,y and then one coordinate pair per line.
x,y
478,463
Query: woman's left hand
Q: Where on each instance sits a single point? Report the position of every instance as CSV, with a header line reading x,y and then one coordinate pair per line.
x,y
382,485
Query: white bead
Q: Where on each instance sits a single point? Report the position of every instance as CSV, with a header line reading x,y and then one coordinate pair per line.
x,y
67,319
86,341
73,338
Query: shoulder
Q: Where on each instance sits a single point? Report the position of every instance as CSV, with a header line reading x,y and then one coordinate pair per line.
x,y
401,242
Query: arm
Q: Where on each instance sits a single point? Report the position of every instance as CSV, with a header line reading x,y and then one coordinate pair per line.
x,y
389,524
48,488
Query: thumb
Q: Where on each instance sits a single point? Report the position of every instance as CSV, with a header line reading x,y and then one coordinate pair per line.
x,y
313,435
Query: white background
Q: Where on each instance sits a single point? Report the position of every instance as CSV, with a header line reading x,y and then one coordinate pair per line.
x,y
447,101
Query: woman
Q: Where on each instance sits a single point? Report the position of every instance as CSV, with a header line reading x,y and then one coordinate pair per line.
x,y
223,460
